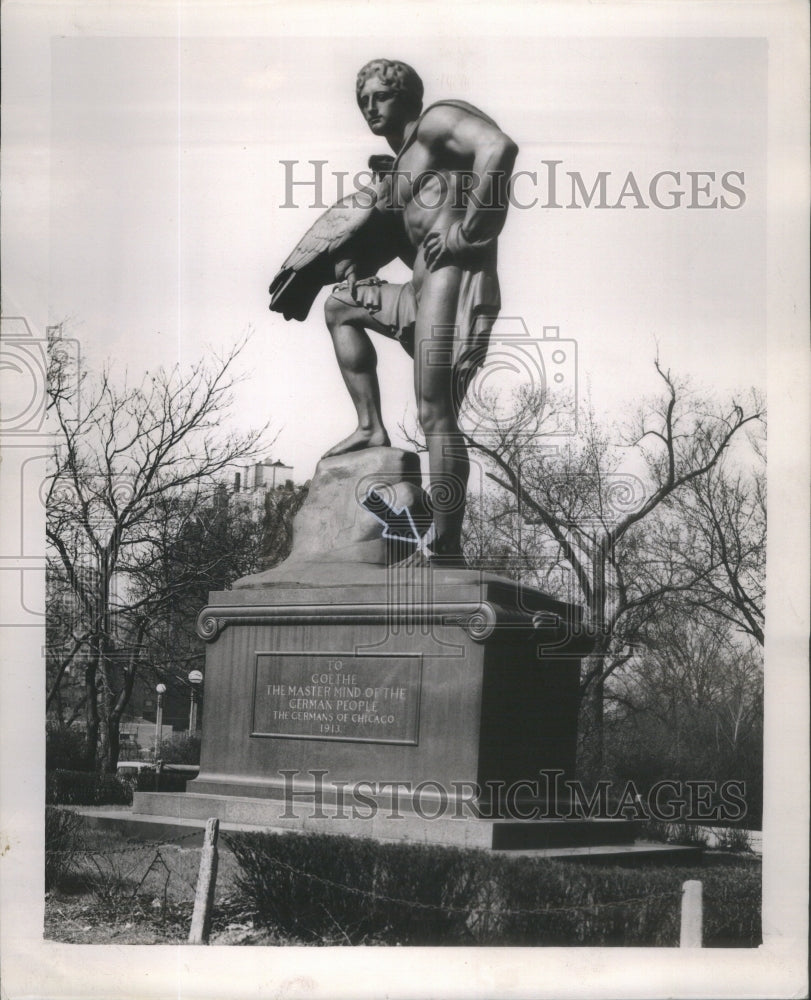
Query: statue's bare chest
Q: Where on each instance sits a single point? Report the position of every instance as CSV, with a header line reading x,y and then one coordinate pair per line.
x,y
420,180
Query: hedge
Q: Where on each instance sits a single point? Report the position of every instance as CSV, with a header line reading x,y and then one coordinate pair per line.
x,y
89,788
334,889
183,749
65,748
86,788
170,781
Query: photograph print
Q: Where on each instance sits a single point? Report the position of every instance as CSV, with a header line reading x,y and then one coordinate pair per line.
x,y
385,473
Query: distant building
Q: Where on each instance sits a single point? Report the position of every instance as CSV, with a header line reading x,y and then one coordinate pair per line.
x,y
265,475
253,482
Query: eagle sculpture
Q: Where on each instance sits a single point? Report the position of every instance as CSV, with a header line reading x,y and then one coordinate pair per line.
x,y
355,228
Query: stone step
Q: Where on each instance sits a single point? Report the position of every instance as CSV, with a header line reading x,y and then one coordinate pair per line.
x,y
468,833
460,831
516,835
159,829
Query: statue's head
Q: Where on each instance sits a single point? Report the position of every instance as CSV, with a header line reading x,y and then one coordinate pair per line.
x,y
389,93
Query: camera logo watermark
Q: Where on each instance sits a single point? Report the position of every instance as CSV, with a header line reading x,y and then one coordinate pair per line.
x,y
523,385
25,361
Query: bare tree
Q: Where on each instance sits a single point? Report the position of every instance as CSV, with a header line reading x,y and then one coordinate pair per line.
x,y
724,516
690,704
202,540
127,460
592,505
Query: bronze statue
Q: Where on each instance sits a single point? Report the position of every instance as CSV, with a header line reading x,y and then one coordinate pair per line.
x,y
439,206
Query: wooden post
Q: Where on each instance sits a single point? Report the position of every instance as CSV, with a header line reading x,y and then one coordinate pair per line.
x,y
206,880
691,915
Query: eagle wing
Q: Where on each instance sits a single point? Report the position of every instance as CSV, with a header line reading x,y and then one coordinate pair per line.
x,y
331,230
352,226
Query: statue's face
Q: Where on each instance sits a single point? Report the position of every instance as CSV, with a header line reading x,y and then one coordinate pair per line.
x,y
384,109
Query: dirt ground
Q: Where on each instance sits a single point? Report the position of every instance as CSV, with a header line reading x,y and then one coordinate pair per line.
x,y
122,891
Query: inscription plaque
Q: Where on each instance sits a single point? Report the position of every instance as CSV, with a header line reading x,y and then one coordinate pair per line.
x,y
338,696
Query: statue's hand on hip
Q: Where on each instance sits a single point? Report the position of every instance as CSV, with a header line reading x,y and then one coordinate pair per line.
x,y
436,251
442,247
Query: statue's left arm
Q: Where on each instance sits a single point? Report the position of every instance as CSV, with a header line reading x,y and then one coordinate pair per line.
x,y
455,134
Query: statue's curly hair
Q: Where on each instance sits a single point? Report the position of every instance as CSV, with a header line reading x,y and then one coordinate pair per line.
x,y
397,75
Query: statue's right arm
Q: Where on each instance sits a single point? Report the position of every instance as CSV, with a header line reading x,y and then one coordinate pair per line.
x,y
346,270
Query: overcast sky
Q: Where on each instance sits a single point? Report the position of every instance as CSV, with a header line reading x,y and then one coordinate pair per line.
x,y
165,181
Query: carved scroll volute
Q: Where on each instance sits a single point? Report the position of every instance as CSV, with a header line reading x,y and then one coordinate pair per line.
x,y
208,625
482,623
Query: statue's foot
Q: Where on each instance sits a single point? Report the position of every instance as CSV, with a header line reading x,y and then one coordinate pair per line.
x,y
359,440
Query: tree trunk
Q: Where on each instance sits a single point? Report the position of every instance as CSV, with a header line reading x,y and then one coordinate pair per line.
x,y
91,704
112,744
58,708
106,761
590,755
591,742
118,704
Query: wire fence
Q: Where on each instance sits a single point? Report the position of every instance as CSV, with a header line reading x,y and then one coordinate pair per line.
x,y
162,879
160,848
471,910
131,847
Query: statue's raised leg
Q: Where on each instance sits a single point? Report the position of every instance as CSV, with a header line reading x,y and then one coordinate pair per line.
x,y
357,360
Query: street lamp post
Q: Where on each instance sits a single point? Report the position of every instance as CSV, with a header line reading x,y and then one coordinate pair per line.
x,y
195,679
161,689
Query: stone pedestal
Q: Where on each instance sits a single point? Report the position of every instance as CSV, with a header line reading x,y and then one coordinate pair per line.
x,y
445,682
414,704
347,695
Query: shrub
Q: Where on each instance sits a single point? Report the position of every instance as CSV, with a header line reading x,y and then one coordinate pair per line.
x,y
734,838
65,748
86,788
344,890
351,888
64,842
169,781
732,900
588,906
688,835
180,750
655,829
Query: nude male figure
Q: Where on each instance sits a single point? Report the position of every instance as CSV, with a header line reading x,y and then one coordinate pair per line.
x,y
448,187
